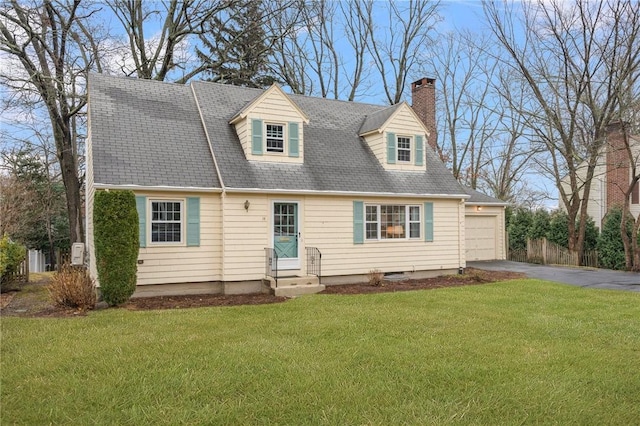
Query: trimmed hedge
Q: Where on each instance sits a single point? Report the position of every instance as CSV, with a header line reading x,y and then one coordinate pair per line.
x,y
115,221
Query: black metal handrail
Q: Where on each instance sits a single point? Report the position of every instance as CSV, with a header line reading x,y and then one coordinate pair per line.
x,y
271,264
314,263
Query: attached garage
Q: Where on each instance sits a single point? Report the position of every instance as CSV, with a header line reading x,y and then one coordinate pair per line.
x,y
484,227
480,238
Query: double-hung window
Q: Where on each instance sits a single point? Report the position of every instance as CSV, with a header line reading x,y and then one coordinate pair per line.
x,y
166,221
385,222
275,137
404,149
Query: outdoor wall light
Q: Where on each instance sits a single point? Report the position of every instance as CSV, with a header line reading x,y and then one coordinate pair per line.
x,y
246,205
479,208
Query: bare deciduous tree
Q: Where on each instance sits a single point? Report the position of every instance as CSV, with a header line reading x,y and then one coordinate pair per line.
x,y
397,46
335,46
574,58
154,57
52,45
468,108
309,59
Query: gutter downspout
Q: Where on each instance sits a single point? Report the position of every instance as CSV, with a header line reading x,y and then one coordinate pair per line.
x,y
223,193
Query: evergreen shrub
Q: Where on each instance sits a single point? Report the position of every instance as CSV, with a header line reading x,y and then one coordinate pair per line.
x,y
519,226
610,246
558,232
116,240
540,225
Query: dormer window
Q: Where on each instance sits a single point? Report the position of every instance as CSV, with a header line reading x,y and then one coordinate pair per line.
x,y
404,149
270,128
275,137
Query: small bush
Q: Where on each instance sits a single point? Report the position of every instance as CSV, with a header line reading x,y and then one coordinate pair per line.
x,y
11,254
376,277
116,237
72,288
477,276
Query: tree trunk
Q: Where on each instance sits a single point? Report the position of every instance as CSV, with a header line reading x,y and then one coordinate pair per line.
x,y
69,170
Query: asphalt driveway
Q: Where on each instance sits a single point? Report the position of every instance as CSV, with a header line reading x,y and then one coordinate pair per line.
x,y
593,278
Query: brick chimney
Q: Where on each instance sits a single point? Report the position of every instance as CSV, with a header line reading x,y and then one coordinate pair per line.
x,y
423,94
617,165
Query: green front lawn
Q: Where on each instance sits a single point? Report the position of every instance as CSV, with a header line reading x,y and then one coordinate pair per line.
x,y
523,351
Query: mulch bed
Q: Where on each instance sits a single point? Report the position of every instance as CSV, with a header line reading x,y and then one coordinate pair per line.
x,y
471,277
198,301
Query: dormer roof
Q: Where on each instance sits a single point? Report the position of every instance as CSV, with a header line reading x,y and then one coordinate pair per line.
x,y
378,121
242,114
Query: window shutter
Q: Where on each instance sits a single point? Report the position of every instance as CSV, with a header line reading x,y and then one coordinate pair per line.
x,y
419,150
391,148
141,206
294,149
193,222
635,198
428,221
358,222
256,137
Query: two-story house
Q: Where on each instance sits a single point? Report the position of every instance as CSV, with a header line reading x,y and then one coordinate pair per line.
x,y
235,185
612,175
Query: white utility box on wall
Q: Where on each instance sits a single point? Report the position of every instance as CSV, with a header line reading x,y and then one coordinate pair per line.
x,y
77,254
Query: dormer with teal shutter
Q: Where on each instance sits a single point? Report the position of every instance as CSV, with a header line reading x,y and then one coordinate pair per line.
x,y
397,137
271,128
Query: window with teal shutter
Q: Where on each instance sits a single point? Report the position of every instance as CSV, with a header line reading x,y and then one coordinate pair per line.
x,y
193,221
419,150
358,222
428,222
294,140
141,206
256,137
391,148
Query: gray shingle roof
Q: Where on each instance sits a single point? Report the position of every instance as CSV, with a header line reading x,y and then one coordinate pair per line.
x,y
147,133
377,119
135,123
476,197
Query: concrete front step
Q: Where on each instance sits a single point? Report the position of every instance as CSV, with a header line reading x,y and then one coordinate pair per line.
x,y
295,286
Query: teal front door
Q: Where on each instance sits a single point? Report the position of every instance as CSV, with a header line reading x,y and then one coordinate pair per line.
x,y
286,235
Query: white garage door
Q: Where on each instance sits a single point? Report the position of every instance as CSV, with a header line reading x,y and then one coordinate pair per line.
x,y
480,232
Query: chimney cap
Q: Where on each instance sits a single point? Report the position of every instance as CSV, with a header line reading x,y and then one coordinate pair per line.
x,y
424,81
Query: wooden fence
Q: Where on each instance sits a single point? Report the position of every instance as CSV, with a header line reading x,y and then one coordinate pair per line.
x,y
63,257
547,253
20,275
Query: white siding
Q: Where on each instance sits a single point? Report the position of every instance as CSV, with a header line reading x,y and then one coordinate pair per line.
x,y
329,227
246,234
596,208
327,223
90,193
165,264
242,129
